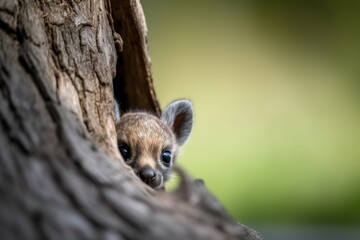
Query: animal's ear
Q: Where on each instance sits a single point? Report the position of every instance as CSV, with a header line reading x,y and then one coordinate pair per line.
x,y
179,117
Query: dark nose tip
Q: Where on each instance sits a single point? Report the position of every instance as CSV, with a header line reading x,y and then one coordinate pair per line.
x,y
147,174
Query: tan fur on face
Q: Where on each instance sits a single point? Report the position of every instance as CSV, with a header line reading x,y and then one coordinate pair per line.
x,y
150,145
147,138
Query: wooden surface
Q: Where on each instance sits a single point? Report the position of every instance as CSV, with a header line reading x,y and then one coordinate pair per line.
x,y
61,176
133,82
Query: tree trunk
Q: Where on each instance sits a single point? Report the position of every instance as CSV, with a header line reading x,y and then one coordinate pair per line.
x,y
61,176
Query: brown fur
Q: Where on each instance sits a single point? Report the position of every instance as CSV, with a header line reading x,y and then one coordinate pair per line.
x,y
146,138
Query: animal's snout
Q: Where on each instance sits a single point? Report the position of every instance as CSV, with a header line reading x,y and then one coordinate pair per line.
x,y
147,174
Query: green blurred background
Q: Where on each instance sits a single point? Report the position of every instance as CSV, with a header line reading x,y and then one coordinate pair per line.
x,y
275,86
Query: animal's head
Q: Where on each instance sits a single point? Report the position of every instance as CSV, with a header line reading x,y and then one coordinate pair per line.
x,y
150,145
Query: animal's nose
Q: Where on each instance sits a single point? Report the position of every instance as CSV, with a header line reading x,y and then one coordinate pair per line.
x,y
147,174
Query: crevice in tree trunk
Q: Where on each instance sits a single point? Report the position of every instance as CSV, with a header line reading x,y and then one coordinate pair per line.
x,y
133,83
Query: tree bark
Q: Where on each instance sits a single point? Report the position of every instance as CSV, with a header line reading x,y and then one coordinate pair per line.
x,y
61,176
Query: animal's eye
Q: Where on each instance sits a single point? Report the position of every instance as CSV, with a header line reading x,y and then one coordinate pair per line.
x,y
166,158
125,151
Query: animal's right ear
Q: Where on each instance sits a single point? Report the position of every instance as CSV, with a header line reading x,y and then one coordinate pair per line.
x,y
179,117
117,112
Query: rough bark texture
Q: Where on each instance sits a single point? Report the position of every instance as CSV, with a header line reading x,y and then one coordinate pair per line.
x,y
58,176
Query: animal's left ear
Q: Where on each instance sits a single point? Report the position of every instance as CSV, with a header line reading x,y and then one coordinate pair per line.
x,y
179,117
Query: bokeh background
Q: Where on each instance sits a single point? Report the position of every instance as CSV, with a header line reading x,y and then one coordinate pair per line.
x,y
275,86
